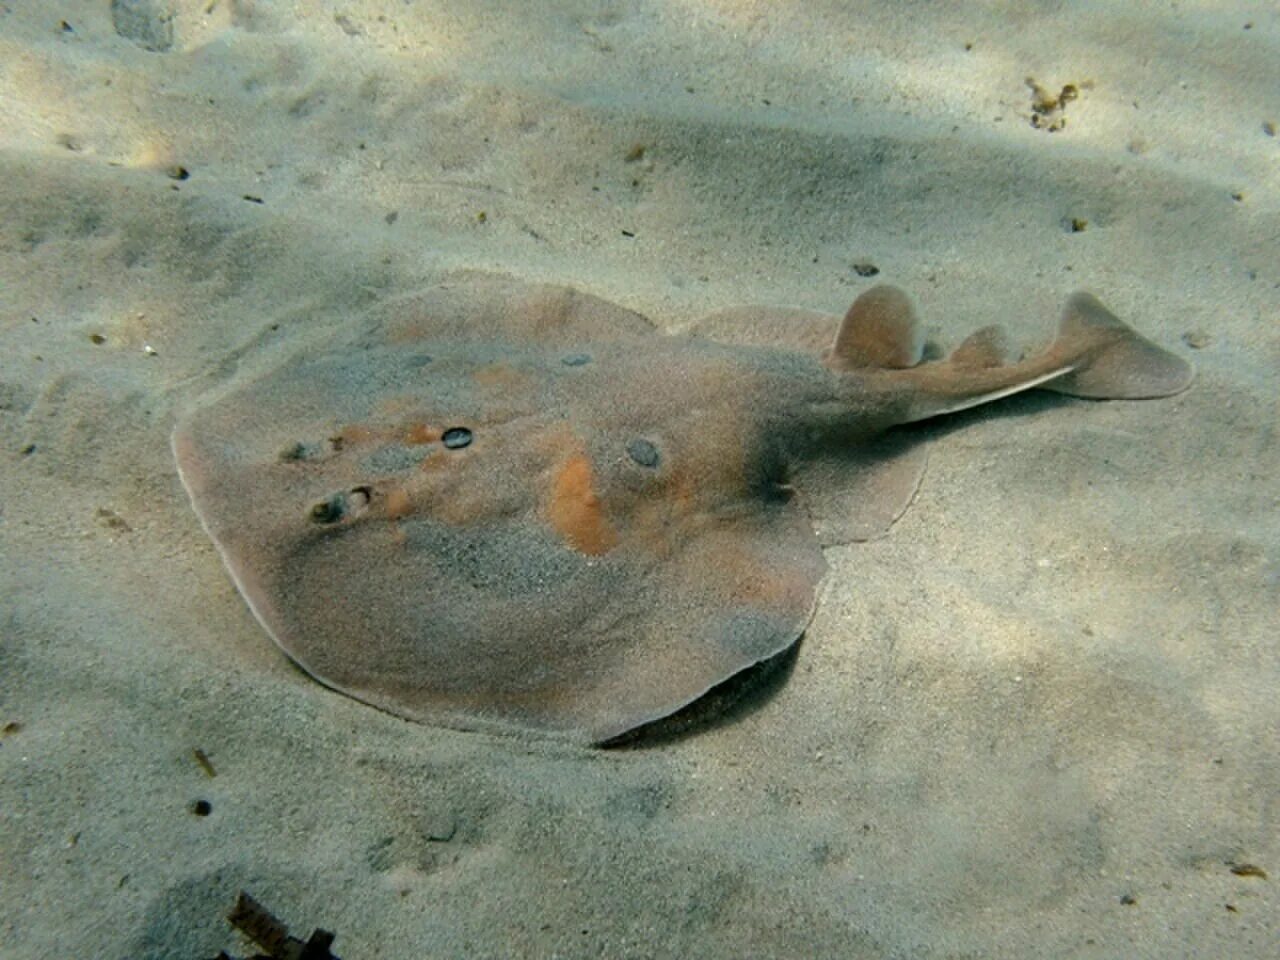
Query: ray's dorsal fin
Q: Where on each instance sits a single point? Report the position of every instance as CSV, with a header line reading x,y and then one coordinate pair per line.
x,y
983,349
880,330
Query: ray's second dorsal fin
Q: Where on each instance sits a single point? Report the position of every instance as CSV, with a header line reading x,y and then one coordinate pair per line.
x,y
983,349
880,330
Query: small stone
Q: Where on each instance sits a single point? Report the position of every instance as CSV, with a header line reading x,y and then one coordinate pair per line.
x,y
1196,339
147,23
1248,870
440,827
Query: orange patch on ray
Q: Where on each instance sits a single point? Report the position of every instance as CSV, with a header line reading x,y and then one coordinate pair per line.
x,y
420,433
574,509
398,504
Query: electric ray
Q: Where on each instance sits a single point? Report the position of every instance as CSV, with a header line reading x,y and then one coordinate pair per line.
x,y
520,507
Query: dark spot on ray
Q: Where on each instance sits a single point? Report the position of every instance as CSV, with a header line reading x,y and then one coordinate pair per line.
x,y
576,360
643,452
455,438
418,361
772,480
330,510
778,492
300,451
341,505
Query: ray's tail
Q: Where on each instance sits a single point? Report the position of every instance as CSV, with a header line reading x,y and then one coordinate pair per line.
x,y
1095,355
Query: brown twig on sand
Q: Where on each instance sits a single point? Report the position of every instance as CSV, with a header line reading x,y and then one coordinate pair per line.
x,y
271,934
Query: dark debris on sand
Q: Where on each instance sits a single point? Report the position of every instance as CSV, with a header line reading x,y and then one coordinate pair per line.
x,y
270,934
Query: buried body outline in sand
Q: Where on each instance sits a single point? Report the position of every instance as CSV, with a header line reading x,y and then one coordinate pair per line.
x,y
507,506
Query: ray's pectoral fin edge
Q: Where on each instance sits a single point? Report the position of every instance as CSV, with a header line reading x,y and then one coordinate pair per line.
x,y
856,494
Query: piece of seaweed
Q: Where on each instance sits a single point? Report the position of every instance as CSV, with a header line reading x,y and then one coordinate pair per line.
x,y
272,935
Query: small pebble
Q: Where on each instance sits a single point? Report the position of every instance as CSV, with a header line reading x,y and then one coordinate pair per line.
x,y
1196,339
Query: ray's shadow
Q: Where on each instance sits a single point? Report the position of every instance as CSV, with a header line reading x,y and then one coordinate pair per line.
x,y
726,703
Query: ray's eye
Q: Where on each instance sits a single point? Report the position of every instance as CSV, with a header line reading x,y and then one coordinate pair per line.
x,y
643,452
455,438
341,505
576,360
330,510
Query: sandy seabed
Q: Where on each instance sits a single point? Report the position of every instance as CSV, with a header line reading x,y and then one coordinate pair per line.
x,y
1038,719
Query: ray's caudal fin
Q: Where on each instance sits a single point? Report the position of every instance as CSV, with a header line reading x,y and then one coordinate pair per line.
x,y
1095,355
